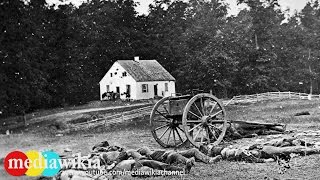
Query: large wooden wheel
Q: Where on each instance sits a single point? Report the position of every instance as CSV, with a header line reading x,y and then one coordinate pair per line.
x,y
204,120
166,129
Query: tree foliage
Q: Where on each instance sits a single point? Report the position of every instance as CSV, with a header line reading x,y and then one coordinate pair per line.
x,y
53,56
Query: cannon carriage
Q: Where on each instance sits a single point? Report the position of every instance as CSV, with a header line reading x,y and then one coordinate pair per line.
x,y
196,118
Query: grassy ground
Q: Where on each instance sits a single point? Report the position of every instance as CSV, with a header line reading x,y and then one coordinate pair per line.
x,y
136,133
73,113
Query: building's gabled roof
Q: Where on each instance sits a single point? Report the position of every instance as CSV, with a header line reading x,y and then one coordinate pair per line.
x,y
146,70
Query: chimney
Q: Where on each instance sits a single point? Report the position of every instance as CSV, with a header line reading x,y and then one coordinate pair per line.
x,y
136,58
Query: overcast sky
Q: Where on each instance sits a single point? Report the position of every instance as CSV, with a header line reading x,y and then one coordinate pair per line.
x,y
234,9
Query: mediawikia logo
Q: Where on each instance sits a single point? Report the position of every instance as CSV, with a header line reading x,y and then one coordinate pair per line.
x,y
48,163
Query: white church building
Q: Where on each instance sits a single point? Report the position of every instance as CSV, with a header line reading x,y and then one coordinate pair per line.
x,y
142,79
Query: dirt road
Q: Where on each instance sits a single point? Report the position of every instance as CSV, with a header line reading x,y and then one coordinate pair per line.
x,y
81,111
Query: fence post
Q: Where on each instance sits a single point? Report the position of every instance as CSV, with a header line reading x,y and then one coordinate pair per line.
x,y
309,96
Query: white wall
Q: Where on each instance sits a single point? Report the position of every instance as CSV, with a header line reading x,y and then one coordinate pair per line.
x,y
136,87
117,80
161,89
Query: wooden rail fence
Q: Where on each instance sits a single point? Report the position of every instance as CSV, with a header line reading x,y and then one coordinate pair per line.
x,y
270,96
106,120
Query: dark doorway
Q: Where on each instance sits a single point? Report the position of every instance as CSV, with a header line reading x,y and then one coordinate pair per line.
x,y
118,89
155,90
128,92
128,89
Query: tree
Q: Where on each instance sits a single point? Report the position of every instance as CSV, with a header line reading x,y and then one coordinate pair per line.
x,y
310,21
24,66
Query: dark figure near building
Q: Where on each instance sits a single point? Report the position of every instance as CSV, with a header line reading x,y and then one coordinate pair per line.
x,y
127,95
110,96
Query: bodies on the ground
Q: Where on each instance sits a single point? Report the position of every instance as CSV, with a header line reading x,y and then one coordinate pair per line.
x,y
274,150
242,129
114,158
158,159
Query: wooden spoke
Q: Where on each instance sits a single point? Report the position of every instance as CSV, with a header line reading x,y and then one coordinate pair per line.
x,y
202,107
174,137
215,103
194,127
208,134
213,133
162,115
164,132
179,135
201,137
180,129
194,114
160,127
216,113
195,137
162,120
193,122
199,133
169,136
165,109
197,108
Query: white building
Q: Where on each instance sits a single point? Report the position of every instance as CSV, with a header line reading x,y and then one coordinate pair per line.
x,y
142,79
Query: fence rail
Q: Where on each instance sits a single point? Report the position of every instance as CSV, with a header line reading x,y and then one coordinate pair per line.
x,y
106,120
270,96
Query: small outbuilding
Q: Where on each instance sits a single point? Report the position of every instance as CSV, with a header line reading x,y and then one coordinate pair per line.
x,y
137,79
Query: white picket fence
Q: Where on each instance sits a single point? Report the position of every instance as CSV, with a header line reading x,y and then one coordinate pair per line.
x,y
270,96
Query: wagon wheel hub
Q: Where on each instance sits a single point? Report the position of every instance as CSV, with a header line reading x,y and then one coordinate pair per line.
x,y
205,120
173,124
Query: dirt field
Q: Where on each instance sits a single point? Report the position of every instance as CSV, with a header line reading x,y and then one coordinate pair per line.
x,y
136,133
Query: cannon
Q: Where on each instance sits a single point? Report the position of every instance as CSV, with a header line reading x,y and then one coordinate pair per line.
x,y
199,119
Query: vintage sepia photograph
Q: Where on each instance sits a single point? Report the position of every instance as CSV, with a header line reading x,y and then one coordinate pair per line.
x,y
159,89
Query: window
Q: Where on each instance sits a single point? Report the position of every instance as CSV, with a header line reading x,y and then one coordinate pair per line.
x,y
115,73
166,87
110,74
108,88
144,88
124,74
